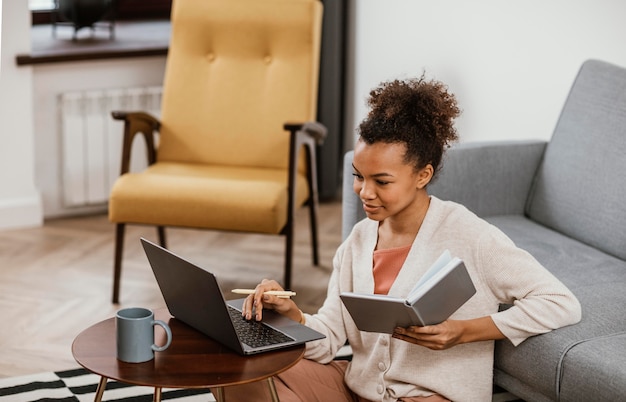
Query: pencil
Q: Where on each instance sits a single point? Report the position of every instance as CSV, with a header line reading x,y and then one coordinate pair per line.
x,y
283,294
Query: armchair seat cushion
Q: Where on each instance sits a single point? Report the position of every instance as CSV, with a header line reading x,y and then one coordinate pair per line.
x,y
201,196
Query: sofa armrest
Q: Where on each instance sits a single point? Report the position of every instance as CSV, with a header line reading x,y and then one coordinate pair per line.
x,y
489,178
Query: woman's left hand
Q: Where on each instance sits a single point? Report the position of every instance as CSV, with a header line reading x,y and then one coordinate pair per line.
x,y
437,337
450,333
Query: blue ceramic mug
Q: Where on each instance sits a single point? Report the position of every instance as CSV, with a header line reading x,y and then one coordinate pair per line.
x,y
135,335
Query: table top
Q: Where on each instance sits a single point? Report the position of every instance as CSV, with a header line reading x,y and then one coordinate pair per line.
x,y
193,360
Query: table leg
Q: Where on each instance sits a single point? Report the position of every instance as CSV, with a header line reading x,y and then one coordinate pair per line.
x,y
100,390
219,394
273,393
157,394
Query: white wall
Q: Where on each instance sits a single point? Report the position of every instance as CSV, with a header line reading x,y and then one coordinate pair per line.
x,y
49,81
20,203
511,63
30,150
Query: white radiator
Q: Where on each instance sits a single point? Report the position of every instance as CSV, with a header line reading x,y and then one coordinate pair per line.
x,y
92,140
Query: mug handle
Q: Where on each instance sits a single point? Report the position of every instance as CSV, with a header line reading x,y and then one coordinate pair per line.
x,y
168,332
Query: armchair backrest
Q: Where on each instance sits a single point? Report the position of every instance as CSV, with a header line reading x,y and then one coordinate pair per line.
x,y
236,71
580,187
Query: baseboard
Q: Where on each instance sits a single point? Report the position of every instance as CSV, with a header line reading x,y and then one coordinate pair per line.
x,y
21,212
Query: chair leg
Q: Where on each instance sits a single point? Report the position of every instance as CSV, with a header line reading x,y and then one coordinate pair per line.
x,y
117,264
161,232
313,201
288,254
314,235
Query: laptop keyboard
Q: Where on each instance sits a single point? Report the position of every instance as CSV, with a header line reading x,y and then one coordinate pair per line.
x,y
254,333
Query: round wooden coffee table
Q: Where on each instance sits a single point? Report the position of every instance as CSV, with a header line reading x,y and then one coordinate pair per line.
x,y
193,360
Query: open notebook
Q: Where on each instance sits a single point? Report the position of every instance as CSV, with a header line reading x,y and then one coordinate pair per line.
x,y
444,288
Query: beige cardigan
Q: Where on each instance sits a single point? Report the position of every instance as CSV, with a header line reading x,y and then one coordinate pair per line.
x,y
384,368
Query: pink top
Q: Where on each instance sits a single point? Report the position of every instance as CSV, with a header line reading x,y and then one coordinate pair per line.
x,y
387,265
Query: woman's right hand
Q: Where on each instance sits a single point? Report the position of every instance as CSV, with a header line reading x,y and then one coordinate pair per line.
x,y
255,303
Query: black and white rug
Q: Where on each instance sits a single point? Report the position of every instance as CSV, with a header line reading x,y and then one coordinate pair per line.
x,y
79,385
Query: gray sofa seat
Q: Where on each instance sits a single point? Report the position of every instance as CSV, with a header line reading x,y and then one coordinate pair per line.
x,y
576,264
564,202
604,363
598,281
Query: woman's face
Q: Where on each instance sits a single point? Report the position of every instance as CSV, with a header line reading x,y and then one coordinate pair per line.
x,y
386,185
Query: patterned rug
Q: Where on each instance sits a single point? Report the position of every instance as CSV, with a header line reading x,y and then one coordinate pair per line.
x,y
80,386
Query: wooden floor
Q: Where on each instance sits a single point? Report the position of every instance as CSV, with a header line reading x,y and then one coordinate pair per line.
x,y
56,280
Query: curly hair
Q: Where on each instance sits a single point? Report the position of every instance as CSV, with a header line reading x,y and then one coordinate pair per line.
x,y
419,113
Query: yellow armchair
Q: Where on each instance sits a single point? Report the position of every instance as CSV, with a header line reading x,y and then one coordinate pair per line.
x,y
228,155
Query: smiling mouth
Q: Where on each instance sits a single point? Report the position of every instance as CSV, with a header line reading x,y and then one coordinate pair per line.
x,y
370,208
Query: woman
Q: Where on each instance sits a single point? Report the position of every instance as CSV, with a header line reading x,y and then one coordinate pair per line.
x,y
399,151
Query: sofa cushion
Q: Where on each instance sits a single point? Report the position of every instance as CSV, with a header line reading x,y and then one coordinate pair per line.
x,y
595,370
580,187
498,185
574,263
597,279
200,196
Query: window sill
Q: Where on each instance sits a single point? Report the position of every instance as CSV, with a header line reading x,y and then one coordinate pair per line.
x,y
132,39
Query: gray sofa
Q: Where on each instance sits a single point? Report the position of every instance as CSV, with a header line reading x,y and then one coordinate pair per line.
x,y
565,202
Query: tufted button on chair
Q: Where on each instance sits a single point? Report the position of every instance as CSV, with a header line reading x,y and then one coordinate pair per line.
x,y
237,136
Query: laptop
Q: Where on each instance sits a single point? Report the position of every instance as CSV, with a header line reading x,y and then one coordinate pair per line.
x,y
194,297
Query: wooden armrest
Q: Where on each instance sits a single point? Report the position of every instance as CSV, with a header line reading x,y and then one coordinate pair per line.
x,y
314,129
125,115
137,123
